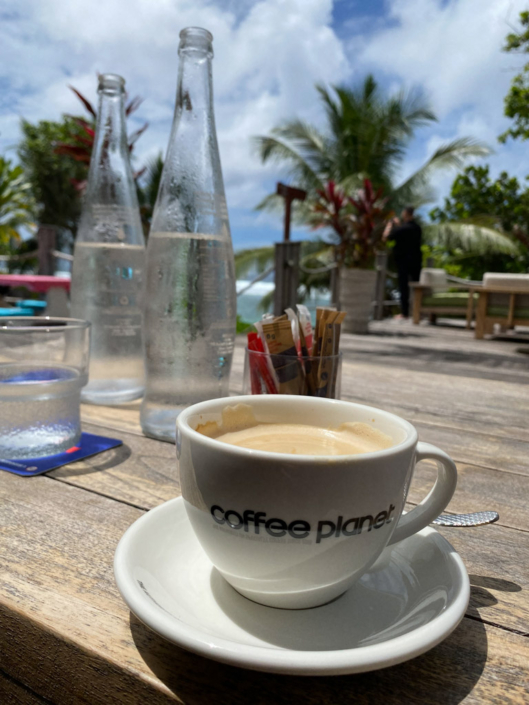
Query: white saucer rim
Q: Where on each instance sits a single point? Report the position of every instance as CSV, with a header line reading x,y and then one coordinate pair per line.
x,y
278,660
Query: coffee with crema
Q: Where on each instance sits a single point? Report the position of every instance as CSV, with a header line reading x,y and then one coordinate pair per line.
x,y
296,531
240,428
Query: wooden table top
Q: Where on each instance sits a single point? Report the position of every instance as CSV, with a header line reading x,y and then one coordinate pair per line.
x,y
66,636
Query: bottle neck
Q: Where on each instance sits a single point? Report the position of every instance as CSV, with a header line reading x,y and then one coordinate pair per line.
x,y
191,196
111,133
194,97
110,209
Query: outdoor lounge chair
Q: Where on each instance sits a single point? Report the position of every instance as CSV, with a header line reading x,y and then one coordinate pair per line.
x,y
440,294
503,301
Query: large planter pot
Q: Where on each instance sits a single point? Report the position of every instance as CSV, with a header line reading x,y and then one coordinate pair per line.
x,y
357,293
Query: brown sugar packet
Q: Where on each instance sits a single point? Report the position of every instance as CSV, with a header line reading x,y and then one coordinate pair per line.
x,y
337,328
327,368
324,315
279,340
305,362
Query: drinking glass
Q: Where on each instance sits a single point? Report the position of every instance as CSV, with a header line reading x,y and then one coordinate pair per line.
x,y
317,376
43,366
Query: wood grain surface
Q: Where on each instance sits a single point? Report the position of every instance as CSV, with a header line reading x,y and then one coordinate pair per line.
x,y
66,636
14,693
58,580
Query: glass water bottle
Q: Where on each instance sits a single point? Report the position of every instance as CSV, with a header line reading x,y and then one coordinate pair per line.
x,y
190,304
109,258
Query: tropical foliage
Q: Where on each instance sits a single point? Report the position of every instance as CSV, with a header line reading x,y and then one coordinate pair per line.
x,y
499,209
517,99
53,177
80,143
356,222
55,156
17,208
147,186
484,223
366,136
359,154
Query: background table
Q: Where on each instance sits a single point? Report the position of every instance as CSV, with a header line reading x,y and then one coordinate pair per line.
x,y
39,283
66,636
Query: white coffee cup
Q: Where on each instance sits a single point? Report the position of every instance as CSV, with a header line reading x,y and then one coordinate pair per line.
x,y
296,531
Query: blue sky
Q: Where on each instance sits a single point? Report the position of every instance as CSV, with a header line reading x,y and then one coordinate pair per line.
x,y
268,56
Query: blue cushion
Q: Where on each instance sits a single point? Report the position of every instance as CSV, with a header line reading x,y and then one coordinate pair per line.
x,y
33,303
11,312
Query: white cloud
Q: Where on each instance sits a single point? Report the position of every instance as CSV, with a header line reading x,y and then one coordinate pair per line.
x,y
452,50
268,56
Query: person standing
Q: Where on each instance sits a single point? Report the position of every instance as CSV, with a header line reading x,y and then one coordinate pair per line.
x,y
407,235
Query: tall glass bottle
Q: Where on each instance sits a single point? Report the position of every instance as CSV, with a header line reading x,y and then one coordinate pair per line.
x,y
109,258
190,305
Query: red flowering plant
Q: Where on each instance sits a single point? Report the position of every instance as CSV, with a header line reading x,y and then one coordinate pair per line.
x,y
81,143
357,222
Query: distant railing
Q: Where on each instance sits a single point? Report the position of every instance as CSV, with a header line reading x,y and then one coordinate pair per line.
x,y
62,255
257,279
45,252
287,267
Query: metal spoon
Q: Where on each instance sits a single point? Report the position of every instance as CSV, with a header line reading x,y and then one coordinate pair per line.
x,y
474,519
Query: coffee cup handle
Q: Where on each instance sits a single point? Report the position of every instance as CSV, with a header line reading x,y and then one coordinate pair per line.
x,y
437,499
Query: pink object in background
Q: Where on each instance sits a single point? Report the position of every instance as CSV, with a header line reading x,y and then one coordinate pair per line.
x,y
39,283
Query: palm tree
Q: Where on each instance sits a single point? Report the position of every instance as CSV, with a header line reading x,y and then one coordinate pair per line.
x,y
366,136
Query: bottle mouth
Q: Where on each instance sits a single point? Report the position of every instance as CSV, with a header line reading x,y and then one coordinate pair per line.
x,y
196,39
111,82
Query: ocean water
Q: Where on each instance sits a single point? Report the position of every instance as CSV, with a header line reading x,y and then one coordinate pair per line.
x,y
248,304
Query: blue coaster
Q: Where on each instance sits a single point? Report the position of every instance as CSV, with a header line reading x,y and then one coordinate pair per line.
x,y
88,445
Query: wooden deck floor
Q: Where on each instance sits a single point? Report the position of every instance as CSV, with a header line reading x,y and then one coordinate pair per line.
x,y
446,349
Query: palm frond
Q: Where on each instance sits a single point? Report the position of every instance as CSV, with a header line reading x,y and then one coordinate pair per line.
x,y
304,135
410,110
272,203
452,154
257,259
455,153
470,237
276,150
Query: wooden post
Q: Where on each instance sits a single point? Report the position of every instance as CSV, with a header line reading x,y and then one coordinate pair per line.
x,y
470,308
481,315
286,275
417,303
287,256
289,194
46,245
512,304
381,261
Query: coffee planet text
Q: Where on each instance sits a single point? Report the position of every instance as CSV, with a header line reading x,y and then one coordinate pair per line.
x,y
299,528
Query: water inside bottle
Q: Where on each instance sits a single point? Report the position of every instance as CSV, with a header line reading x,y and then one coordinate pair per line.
x,y
189,325
108,278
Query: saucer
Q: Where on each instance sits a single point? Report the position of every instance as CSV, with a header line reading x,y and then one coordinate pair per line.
x,y
413,597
